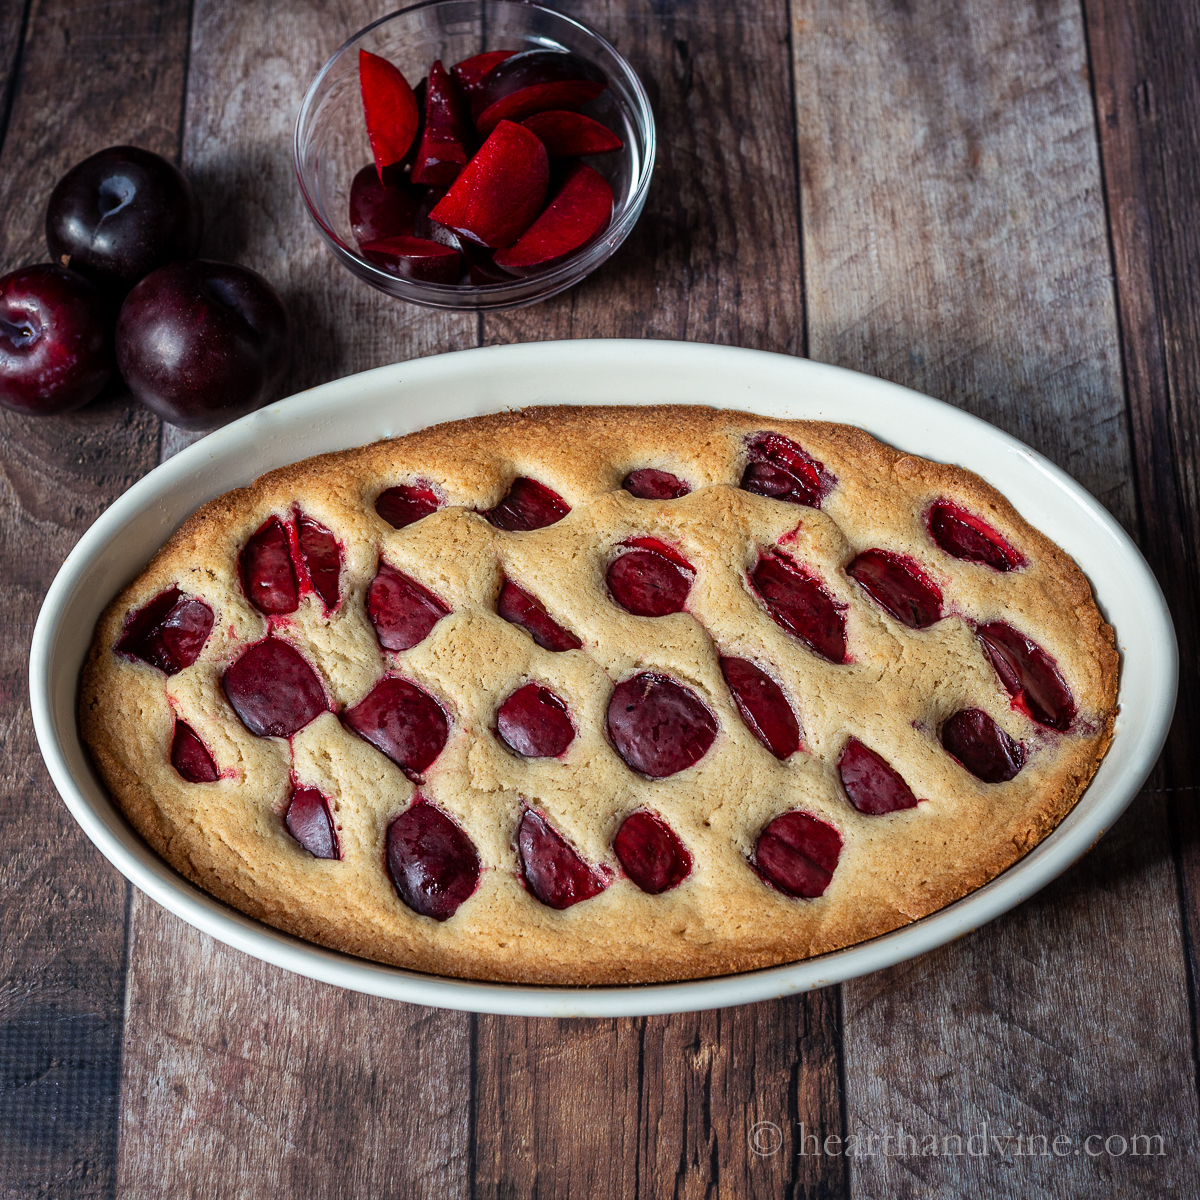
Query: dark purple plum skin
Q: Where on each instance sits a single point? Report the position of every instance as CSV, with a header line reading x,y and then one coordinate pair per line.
x,y
377,211
658,725
433,864
200,343
552,869
121,214
55,354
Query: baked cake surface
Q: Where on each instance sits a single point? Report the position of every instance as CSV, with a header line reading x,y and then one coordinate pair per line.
x,y
660,715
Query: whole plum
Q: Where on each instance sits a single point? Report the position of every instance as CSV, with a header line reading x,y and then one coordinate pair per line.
x,y
55,352
119,215
202,342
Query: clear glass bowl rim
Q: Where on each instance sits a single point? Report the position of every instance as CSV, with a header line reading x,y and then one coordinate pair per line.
x,y
519,290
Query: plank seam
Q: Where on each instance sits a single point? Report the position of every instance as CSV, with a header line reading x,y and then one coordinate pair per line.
x,y
473,1089
791,62
10,89
1189,947
1110,241
641,1076
116,1139
1175,834
839,1042
187,70
163,428
793,1187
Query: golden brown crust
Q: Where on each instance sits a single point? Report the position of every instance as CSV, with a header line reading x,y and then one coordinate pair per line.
x,y
229,838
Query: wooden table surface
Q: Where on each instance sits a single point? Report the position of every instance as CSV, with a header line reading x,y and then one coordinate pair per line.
x,y
992,201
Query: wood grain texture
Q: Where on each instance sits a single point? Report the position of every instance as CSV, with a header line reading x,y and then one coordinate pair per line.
x,y
317,1092
14,17
666,1106
1147,94
955,241
272,1085
248,72
715,256
86,78
954,235
704,1104
556,1107
726,1097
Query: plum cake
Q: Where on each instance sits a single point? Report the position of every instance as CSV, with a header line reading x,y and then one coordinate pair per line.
x,y
601,695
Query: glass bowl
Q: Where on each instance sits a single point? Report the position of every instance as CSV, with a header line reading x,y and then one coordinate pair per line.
x,y
331,138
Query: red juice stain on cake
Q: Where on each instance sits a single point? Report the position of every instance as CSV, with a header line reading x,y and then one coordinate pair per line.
x,y
519,607
763,706
265,568
658,726
898,585
534,722
273,690
402,611
431,861
873,785
648,483
650,579
169,632
799,604
651,854
321,557
798,854
403,722
528,505
190,756
981,746
965,536
308,821
1029,674
780,469
552,870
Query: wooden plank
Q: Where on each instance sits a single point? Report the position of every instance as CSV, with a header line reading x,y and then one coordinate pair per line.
x,y
14,16
954,240
276,1086
87,77
316,1092
715,256
247,75
954,233
1147,92
535,1081
708,1103
671,1102
727,1097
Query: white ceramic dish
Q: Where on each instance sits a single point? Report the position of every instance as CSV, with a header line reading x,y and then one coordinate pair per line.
x,y
407,396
